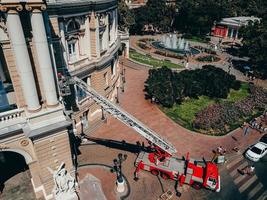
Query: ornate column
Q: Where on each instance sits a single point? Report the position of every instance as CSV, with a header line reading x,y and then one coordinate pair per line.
x,y
116,24
63,42
106,46
22,58
43,55
87,37
113,36
95,40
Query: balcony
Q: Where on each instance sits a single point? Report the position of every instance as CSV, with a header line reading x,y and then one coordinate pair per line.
x,y
11,121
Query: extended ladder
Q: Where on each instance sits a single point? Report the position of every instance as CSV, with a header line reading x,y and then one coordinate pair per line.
x,y
125,117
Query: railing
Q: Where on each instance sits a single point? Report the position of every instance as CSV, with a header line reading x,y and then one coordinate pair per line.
x,y
11,115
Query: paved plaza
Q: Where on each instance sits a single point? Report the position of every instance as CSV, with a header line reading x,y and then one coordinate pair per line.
x,y
114,137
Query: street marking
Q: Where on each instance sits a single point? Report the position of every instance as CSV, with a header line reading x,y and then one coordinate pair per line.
x,y
239,179
248,183
263,196
231,164
234,171
255,190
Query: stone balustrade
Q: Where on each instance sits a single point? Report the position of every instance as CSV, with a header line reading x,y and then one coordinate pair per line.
x,y
11,115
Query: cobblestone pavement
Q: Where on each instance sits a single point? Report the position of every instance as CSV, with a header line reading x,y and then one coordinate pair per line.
x,y
115,137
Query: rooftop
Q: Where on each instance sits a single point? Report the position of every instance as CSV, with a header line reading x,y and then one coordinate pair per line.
x,y
238,21
60,2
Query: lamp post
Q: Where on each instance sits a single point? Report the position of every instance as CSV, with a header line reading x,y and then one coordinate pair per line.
x,y
102,111
117,99
117,169
124,74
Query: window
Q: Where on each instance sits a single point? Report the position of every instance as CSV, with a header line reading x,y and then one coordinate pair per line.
x,y
73,26
101,42
113,68
106,78
72,50
89,80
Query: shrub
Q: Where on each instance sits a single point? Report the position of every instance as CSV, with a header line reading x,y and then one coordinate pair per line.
x,y
209,58
142,45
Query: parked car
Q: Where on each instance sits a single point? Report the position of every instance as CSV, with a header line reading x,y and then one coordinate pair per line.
x,y
256,151
264,139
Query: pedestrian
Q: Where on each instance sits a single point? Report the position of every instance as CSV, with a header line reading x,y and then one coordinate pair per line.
x,y
221,150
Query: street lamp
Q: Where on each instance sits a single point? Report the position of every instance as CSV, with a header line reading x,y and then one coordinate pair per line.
x,y
117,99
117,169
103,116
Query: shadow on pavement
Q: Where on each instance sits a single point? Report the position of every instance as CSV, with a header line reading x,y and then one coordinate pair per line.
x,y
121,145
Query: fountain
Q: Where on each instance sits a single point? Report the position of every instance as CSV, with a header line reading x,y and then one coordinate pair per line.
x,y
172,43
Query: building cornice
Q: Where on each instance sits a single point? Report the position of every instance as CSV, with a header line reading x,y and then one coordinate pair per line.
x,y
72,8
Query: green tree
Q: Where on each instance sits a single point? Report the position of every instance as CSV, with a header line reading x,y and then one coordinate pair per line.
x,y
255,45
159,86
125,16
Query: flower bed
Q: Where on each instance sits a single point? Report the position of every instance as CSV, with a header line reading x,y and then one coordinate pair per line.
x,y
221,118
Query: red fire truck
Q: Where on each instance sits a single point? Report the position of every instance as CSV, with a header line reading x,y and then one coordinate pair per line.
x,y
159,159
196,173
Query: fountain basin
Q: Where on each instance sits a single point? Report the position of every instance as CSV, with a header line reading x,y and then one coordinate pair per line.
x,y
191,51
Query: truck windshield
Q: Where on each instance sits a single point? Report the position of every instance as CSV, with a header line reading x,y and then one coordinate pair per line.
x,y
211,182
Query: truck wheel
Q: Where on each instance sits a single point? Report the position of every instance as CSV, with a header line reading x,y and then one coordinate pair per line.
x,y
155,172
197,185
165,176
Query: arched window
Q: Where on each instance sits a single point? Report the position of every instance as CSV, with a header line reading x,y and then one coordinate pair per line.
x,y
73,26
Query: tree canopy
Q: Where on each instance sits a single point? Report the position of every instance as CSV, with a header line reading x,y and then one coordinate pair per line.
x,y
169,87
194,17
125,16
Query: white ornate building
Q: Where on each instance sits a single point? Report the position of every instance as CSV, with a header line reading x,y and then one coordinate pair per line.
x,y
38,41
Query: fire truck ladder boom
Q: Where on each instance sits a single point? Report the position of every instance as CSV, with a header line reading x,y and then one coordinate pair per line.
x,y
125,117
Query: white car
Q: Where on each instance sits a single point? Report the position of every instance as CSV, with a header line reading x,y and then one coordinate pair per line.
x,y
256,151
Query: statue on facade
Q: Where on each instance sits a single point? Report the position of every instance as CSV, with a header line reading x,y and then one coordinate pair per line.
x,y
65,184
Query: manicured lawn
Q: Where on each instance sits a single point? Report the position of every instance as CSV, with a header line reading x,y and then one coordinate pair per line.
x,y
152,61
185,112
236,95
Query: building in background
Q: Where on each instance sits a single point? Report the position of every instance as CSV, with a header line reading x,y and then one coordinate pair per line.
x,y
229,27
40,41
135,3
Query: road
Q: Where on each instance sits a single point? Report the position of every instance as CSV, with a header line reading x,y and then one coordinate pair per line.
x,y
236,186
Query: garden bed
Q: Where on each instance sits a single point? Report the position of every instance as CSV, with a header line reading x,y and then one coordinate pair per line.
x,y
207,100
185,113
148,60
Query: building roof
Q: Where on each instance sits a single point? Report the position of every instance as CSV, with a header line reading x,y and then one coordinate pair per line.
x,y
238,21
61,2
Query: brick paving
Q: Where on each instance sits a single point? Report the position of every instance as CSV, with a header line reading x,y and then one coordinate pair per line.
x,y
132,100
113,132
